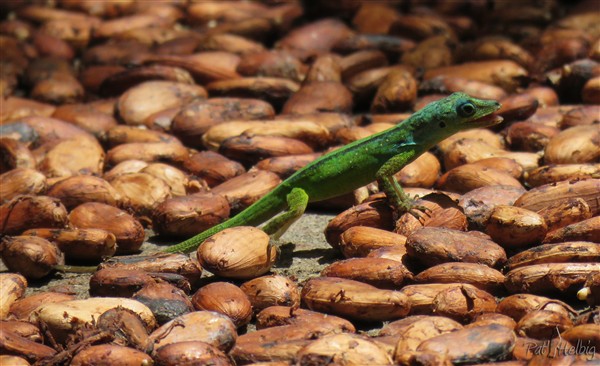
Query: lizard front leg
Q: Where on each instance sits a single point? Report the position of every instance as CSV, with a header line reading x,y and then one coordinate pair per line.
x,y
389,185
297,201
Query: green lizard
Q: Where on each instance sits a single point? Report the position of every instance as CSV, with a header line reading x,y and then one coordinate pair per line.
x,y
378,156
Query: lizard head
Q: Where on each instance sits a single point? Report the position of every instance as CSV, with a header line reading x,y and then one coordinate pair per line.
x,y
459,111
456,112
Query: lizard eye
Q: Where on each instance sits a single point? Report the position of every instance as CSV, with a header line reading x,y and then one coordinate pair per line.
x,y
466,109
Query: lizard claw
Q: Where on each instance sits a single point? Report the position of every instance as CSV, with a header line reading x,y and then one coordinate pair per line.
x,y
417,211
410,206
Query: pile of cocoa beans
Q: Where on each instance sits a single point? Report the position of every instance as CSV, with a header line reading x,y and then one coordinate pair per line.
x,y
124,119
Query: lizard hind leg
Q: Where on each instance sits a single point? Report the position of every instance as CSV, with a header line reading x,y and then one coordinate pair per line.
x,y
297,201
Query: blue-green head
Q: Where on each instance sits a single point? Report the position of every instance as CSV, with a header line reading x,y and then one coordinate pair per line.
x,y
454,113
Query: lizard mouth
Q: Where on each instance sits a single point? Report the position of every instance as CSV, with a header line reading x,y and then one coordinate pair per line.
x,y
489,120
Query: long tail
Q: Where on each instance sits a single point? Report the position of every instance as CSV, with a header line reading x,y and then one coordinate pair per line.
x,y
257,213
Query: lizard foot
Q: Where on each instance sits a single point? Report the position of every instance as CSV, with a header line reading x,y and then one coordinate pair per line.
x,y
417,211
412,207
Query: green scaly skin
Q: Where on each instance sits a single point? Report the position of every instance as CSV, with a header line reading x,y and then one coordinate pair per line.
x,y
378,156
